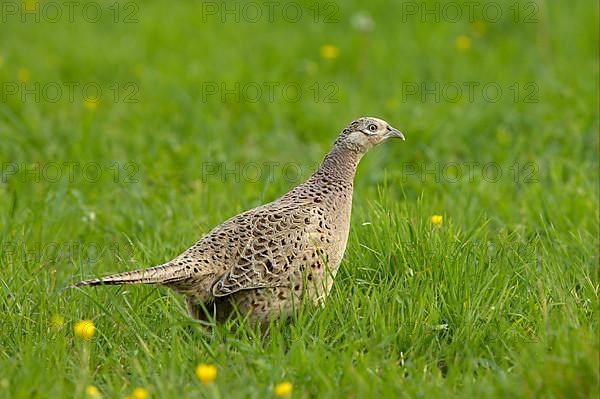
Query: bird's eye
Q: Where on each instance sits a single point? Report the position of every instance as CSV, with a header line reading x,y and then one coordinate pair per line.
x,y
372,128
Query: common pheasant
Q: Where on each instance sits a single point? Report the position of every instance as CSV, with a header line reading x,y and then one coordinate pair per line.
x,y
266,261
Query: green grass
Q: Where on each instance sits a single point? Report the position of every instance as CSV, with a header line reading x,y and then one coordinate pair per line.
x,y
501,300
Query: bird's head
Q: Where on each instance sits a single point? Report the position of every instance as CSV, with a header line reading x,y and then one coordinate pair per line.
x,y
365,133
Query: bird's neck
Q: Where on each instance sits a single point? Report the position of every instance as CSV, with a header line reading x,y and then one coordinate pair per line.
x,y
334,178
339,164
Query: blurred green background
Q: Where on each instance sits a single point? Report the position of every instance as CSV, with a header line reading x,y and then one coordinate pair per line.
x,y
129,129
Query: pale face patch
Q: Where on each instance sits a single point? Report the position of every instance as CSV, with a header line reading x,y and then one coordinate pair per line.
x,y
369,135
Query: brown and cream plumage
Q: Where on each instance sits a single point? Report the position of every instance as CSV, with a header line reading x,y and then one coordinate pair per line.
x,y
267,260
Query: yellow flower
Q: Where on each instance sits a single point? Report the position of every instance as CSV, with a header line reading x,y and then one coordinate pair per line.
x,y
84,329
23,75
283,390
140,393
463,43
206,373
56,322
90,103
436,220
91,392
329,52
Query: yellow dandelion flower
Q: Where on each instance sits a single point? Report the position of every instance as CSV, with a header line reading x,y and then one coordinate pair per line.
x,y
283,390
91,392
206,373
436,220
463,43
140,393
329,52
56,322
90,103
84,329
23,75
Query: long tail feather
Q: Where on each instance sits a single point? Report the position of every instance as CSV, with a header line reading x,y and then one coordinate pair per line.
x,y
152,275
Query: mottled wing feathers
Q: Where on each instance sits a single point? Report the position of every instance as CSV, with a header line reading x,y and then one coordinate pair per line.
x,y
278,235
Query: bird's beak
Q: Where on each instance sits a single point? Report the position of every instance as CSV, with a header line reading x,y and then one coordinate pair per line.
x,y
395,133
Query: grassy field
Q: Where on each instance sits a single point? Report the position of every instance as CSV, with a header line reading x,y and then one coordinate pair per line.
x,y
127,135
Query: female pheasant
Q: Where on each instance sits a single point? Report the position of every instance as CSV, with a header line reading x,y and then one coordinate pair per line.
x,y
266,261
